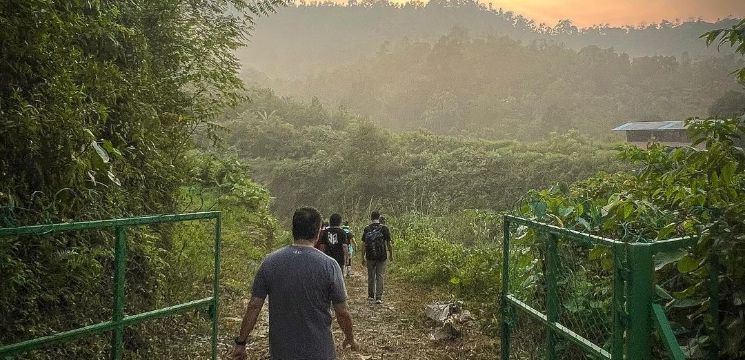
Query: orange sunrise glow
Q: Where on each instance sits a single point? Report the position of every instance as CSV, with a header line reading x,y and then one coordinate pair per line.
x,y
621,12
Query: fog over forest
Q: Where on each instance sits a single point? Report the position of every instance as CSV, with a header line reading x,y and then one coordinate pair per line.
x,y
459,67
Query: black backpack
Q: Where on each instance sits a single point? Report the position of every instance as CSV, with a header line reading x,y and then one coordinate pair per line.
x,y
375,243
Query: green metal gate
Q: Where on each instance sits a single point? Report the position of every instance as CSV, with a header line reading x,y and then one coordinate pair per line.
x,y
119,321
617,311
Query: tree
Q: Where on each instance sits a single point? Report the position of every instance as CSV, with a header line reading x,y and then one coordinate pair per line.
x,y
98,103
731,105
735,36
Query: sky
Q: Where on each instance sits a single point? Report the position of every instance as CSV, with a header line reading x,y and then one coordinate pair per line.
x,y
621,12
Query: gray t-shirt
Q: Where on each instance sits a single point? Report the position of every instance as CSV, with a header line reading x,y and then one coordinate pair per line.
x,y
302,283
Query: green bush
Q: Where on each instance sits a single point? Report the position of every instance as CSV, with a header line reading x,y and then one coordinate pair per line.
x,y
673,192
460,252
307,154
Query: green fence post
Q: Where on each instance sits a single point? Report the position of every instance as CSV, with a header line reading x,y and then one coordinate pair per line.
x,y
715,334
552,296
666,332
640,290
505,306
120,267
216,286
619,314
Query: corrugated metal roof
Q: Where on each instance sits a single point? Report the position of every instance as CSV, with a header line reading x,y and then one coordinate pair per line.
x,y
652,125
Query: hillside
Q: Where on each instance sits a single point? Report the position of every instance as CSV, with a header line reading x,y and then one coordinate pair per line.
x,y
311,37
500,88
462,68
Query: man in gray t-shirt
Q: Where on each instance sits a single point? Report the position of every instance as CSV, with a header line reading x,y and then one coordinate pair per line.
x,y
302,283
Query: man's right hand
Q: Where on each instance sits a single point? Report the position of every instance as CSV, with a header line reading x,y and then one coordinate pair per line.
x,y
352,345
239,352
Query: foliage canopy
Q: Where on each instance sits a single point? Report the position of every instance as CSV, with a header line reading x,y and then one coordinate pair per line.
x,y
98,103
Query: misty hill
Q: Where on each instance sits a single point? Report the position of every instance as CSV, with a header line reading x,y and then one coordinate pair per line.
x,y
304,39
497,87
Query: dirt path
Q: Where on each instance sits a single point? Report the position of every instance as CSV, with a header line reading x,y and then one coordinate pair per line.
x,y
396,329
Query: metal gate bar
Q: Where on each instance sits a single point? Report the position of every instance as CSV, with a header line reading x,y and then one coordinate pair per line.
x,y
120,321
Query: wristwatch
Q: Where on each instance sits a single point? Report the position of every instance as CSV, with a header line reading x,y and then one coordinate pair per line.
x,y
240,342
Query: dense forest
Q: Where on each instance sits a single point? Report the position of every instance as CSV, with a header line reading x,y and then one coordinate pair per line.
x,y
307,154
502,89
98,105
462,68
324,35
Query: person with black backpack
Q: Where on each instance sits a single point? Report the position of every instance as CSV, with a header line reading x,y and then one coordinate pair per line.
x,y
375,254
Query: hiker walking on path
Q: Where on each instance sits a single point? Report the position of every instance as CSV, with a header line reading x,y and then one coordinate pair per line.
x,y
376,251
301,283
334,241
351,244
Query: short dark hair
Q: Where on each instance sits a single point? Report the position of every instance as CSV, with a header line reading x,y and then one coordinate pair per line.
x,y
375,215
335,220
306,223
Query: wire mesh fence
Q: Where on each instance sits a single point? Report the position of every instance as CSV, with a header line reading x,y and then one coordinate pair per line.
x,y
585,292
567,282
526,270
528,338
597,298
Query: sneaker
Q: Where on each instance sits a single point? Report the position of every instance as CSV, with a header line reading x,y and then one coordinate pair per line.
x,y
379,301
370,299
